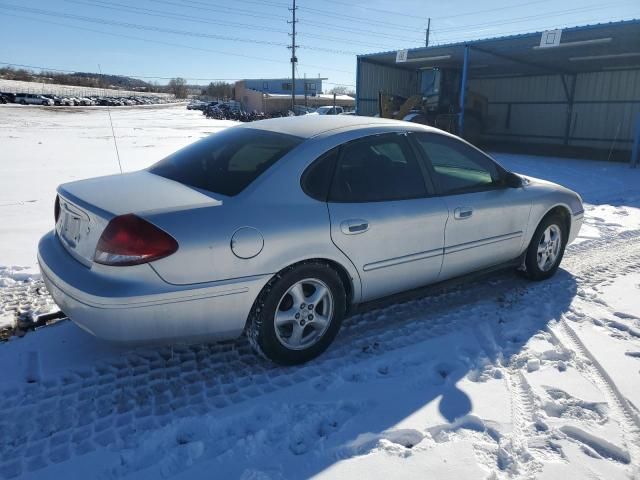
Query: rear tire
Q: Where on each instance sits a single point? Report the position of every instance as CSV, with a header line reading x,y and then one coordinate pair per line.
x,y
546,249
286,326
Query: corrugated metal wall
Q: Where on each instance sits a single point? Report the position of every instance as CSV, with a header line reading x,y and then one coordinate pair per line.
x,y
374,78
535,109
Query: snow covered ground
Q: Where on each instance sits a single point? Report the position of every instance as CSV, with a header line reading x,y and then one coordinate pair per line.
x,y
495,378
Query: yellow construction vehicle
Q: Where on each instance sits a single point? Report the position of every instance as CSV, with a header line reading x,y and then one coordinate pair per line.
x,y
437,104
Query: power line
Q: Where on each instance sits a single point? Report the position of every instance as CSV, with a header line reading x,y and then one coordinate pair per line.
x,y
83,18
508,33
405,15
375,23
352,30
489,10
204,20
136,26
530,17
325,26
171,44
163,13
207,6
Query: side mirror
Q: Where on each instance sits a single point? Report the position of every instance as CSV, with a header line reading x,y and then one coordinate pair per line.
x,y
512,180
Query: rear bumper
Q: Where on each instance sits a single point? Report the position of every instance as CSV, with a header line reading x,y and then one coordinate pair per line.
x,y
134,305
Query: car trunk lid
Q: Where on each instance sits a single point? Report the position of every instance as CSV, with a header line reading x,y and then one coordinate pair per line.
x,y
87,206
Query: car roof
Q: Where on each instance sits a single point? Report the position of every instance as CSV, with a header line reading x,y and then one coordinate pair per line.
x,y
307,126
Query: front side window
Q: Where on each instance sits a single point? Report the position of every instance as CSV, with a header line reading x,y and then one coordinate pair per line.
x,y
228,161
457,167
375,169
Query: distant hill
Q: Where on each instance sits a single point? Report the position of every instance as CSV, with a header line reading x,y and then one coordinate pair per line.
x,y
120,81
80,79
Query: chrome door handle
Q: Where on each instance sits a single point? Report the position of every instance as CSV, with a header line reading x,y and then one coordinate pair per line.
x,y
354,226
461,213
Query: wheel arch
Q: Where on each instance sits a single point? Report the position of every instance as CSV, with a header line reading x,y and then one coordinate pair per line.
x,y
348,281
351,284
563,212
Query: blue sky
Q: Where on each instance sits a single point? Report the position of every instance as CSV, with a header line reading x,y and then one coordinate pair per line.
x,y
204,40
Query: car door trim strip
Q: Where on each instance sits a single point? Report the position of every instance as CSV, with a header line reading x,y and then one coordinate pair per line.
x,y
404,259
480,243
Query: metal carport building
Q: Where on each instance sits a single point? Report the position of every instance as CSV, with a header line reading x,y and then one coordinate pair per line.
x,y
582,93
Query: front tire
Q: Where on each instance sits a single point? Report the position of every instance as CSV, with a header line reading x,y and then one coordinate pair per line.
x,y
298,314
546,249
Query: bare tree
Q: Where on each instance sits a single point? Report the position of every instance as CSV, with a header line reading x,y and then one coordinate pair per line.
x,y
341,90
178,86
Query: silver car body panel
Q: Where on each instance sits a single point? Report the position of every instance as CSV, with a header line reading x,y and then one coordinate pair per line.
x,y
395,245
484,229
207,288
139,306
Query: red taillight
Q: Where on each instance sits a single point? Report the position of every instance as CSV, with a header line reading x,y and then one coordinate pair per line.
x,y
56,209
130,240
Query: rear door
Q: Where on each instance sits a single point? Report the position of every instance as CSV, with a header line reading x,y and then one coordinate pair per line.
x,y
384,216
487,219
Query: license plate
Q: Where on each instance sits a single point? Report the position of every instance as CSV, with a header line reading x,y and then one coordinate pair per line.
x,y
70,224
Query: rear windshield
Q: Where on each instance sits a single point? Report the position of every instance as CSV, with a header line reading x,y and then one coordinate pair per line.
x,y
226,162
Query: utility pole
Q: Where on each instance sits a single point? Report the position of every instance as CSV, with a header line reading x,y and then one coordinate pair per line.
x,y
426,39
305,89
294,60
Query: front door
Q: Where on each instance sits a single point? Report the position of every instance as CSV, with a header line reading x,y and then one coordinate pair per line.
x,y
487,219
383,217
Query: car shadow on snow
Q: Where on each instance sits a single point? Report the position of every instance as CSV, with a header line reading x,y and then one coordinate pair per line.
x,y
176,409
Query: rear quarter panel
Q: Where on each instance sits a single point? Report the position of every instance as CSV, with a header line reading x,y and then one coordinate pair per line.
x,y
294,227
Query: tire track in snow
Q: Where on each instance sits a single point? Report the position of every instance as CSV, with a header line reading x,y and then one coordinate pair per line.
x,y
630,422
114,402
514,455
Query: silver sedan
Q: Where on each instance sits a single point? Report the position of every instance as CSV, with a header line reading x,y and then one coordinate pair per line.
x,y
277,228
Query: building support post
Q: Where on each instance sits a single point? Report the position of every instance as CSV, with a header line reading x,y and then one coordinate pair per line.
x,y
463,88
570,94
426,36
635,150
357,109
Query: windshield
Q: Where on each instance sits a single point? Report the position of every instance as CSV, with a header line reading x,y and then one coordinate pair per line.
x,y
226,162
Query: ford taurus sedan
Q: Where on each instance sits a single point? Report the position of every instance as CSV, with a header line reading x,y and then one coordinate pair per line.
x,y
278,227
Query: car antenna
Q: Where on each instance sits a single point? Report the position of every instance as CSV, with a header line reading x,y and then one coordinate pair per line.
x,y
113,133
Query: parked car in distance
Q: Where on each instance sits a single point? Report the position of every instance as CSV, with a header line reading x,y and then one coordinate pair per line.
x,y
279,227
329,110
56,100
32,99
196,105
8,97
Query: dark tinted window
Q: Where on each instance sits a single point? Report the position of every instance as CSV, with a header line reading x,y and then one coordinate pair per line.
x,y
316,179
375,169
226,162
457,166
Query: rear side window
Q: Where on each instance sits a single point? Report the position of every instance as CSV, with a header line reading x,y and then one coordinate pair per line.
x,y
228,161
376,169
316,180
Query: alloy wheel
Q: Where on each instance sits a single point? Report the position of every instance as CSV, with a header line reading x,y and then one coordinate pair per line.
x,y
304,314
